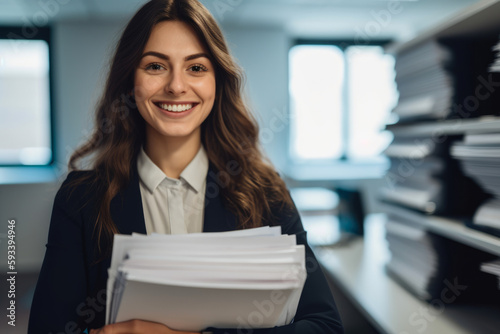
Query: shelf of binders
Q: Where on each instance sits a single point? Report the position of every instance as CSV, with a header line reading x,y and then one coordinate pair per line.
x,y
454,229
450,73
445,157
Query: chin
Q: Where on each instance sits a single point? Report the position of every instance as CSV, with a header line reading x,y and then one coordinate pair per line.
x,y
177,133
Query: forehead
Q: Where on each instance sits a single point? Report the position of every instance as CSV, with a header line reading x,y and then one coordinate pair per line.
x,y
174,37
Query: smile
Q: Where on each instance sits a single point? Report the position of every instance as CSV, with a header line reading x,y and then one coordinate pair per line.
x,y
175,107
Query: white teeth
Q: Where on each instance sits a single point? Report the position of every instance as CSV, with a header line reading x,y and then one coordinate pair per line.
x,y
176,107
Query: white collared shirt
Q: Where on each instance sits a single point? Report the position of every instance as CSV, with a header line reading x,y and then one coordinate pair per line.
x,y
173,206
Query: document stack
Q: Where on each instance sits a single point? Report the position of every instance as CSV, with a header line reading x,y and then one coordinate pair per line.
x,y
190,282
413,185
411,179
423,181
495,67
479,155
448,79
423,176
425,86
426,263
414,261
493,268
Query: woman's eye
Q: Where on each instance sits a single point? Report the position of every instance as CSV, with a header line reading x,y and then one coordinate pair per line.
x,y
154,67
198,68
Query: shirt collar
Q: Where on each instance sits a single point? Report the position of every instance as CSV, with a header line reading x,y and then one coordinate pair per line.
x,y
194,174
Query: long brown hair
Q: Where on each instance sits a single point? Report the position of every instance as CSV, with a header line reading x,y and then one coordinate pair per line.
x,y
229,134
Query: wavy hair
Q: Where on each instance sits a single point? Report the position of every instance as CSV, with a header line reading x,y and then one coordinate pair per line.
x,y
229,134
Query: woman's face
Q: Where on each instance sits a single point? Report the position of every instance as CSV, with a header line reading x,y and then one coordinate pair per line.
x,y
174,85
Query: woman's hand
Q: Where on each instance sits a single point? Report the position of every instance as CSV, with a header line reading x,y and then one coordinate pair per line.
x,y
137,327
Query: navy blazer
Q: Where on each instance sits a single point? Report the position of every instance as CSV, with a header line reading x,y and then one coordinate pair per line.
x,y
70,295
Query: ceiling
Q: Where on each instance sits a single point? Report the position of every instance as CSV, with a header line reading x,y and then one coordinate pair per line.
x,y
301,18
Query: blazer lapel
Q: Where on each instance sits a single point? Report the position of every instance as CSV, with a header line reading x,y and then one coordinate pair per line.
x,y
126,208
128,215
216,217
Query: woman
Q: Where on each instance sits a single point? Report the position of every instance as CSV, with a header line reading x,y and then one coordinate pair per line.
x,y
175,150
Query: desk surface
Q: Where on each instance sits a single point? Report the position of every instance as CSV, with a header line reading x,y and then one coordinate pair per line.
x,y
358,268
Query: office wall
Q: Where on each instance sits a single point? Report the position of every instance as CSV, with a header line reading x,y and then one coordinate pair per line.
x,y
262,52
82,51
30,206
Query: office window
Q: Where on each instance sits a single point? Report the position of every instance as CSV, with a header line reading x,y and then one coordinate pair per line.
x,y
25,129
316,81
340,100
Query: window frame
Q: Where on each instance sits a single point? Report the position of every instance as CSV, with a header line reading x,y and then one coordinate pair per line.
x,y
342,44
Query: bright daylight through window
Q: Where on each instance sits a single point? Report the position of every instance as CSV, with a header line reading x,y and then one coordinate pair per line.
x,y
340,102
25,137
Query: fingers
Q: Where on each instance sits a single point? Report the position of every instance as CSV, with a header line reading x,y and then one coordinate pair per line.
x,y
126,327
134,327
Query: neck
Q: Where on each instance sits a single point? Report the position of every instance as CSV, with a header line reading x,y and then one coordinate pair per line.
x,y
173,154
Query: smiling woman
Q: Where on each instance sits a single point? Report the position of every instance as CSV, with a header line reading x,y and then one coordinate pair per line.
x,y
174,89
180,154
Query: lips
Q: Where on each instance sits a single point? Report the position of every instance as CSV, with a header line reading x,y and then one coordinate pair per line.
x,y
176,107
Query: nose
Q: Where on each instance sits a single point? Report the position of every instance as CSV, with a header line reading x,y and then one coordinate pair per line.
x,y
176,84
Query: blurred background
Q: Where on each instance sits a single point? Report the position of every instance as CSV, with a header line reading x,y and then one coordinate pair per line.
x,y
324,78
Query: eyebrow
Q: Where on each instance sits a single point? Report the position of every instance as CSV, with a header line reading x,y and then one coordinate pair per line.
x,y
165,57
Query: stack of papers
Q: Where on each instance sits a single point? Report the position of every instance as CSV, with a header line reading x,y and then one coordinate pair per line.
x,y
415,185
189,282
414,260
479,156
492,267
495,67
424,262
425,86
423,177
